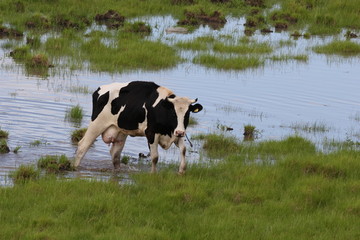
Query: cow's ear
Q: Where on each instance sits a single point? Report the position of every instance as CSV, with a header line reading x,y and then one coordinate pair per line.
x,y
196,108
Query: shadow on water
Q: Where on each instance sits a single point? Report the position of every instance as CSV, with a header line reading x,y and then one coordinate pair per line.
x,y
274,98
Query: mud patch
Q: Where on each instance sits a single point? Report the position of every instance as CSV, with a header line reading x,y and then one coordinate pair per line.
x,y
9,32
112,19
215,20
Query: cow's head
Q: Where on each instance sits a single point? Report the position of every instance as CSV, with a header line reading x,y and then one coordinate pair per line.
x,y
183,106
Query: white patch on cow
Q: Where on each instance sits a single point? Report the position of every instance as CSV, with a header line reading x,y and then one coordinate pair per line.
x,y
113,88
163,93
142,126
181,105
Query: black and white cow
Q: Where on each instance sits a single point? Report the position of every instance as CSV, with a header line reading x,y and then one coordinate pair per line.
x,y
138,109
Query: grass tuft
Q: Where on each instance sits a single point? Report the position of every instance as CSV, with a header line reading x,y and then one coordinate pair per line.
x,y
77,135
232,63
3,146
75,114
4,134
25,174
343,48
55,164
218,146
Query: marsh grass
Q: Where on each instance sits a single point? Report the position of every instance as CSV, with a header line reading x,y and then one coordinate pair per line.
x,y
318,17
198,44
4,134
193,121
219,145
286,58
80,89
74,114
125,159
250,132
55,163
129,53
77,135
343,48
303,195
310,127
228,63
24,174
36,143
3,146
248,48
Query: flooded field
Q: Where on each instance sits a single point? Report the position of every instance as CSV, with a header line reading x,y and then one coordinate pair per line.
x,y
318,99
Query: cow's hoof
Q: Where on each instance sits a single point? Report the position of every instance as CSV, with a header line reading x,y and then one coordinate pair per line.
x,y
117,165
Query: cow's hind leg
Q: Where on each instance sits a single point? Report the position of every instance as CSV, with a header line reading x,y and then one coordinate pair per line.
x,y
117,148
94,130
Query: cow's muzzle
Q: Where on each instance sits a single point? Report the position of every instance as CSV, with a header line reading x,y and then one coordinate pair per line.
x,y
179,133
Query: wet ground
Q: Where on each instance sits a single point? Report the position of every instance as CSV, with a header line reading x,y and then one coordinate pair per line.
x,y
324,91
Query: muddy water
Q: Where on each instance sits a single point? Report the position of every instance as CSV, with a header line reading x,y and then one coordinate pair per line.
x,y
324,90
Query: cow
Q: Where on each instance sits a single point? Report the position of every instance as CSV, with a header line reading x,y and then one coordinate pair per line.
x,y
138,109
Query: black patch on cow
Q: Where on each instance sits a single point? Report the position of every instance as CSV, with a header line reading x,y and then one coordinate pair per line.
x,y
133,97
99,103
162,118
186,118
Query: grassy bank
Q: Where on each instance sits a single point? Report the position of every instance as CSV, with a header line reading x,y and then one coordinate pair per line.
x,y
303,195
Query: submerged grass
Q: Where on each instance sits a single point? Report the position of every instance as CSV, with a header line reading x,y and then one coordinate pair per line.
x,y
286,58
304,195
310,127
344,48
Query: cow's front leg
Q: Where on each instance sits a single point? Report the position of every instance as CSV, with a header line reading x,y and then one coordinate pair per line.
x,y
117,148
181,145
93,131
154,154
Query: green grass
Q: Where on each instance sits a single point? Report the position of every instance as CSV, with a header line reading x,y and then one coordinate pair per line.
x,y
36,143
55,163
74,114
80,89
129,52
3,146
193,121
304,195
286,58
343,48
198,44
77,135
231,63
321,17
4,134
249,48
24,174
219,146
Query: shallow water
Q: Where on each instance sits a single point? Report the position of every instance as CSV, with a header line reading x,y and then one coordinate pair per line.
x,y
324,90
